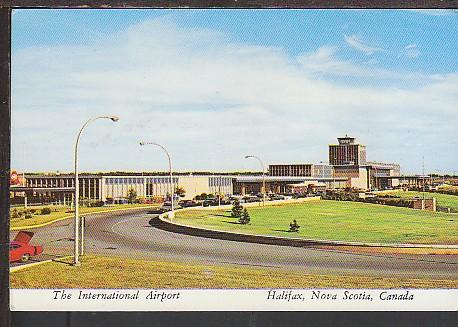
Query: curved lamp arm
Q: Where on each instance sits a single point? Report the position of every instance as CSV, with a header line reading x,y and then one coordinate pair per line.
x,y
172,193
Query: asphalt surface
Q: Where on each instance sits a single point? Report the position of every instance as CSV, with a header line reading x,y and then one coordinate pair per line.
x,y
128,234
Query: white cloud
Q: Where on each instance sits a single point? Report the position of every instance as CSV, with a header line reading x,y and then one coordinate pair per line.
x,y
411,51
359,45
325,61
211,101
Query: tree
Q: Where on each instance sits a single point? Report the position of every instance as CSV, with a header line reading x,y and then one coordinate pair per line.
x,y
131,195
201,197
15,214
45,211
236,211
245,218
180,191
294,227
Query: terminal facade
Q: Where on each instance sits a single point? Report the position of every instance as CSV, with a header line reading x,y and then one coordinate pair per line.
x,y
348,168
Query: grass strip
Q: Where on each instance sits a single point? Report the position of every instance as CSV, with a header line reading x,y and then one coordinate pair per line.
x,y
114,272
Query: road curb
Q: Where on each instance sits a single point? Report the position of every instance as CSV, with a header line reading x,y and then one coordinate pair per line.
x,y
33,264
68,217
164,224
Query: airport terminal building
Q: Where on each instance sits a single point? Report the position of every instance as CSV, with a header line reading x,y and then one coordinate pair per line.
x,y
348,168
114,188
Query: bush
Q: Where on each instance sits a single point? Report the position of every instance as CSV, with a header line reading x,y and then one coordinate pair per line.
x,y
96,204
28,216
15,214
201,197
294,227
45,211
33,211
245,218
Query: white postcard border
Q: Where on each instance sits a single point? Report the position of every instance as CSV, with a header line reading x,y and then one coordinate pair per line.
x,y
234,300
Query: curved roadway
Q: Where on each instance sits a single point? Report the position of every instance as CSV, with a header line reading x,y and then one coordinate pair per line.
x,y
129,234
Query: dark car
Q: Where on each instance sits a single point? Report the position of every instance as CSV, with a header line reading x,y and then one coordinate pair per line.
x,y
157,211
208,203
188,203
249,199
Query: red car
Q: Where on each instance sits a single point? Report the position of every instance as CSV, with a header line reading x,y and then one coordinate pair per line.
x,y
21,250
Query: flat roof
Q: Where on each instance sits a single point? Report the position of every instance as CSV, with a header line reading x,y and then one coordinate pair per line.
x,y
256,179
41,189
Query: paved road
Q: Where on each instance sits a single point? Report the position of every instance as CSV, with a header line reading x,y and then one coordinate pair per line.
x,y
130,235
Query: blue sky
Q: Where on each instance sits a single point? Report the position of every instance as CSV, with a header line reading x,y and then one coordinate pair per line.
x,y
281,84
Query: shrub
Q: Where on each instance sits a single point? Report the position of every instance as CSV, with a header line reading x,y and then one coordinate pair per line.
x,y
45,211
33,211
15,214
96,204
245,218
28,216
294,227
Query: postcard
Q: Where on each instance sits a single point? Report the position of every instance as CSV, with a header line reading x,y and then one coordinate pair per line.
x,y
234,160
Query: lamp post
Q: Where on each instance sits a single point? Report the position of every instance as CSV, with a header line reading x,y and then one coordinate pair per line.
x,y
172,214
77,191
263,177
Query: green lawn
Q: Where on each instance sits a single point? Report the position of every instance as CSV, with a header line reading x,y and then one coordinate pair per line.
x,y
449,188
443,200
336,220
113,272
58,212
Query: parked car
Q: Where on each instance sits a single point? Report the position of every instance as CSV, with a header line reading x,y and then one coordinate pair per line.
x,y
208,203
277,197
239,198
21,250
249,199
167,206
188,203
158,210
224,201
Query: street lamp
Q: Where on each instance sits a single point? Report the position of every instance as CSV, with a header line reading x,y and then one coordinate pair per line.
x,y
77,191
263,176
172,214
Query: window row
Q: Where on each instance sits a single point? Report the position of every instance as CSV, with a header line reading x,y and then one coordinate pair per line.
x,y
219,181
134,180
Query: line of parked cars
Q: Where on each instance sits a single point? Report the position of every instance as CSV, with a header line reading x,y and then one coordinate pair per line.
x,y
214,201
